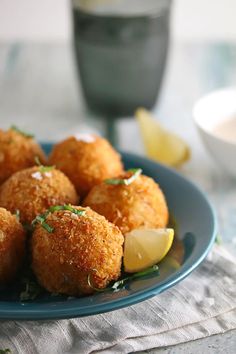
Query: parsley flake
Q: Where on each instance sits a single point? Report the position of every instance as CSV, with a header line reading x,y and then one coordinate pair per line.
x,y
42,168
5,351
218,239
119,284
41,219
31,291
25,134
126,181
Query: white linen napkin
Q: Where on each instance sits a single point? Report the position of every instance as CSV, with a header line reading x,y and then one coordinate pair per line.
x,y
201,305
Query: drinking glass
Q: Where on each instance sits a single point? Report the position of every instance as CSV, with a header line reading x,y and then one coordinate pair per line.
x,y
120,50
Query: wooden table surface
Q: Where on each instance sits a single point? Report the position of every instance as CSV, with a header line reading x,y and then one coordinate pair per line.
x,y
39,92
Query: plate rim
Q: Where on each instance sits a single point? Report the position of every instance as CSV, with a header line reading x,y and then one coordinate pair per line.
x,y
24,313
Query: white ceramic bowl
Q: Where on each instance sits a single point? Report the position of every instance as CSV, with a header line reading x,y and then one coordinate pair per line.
x,y
208,112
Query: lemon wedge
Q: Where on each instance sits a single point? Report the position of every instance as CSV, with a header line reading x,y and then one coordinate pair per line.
x,y
146,247
160,144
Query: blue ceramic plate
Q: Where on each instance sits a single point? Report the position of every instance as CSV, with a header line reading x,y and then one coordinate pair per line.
x,y
196,232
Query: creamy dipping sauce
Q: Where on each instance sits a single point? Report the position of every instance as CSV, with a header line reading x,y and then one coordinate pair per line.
x,y
226,130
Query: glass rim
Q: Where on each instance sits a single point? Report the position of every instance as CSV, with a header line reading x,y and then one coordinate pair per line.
x,y
149,13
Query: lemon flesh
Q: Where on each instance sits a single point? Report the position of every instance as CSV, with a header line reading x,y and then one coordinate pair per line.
x,y
160,144
146,247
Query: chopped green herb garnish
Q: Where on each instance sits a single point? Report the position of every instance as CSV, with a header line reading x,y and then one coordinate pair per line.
x,y
41,219
42,168
4,351
32,290
115,181
73,210
25,134
68,207
119,284
218,239
17,214
37,161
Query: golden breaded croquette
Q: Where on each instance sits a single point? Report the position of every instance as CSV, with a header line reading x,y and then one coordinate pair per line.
x,y
12,246
78,247
141,204
34,190
17,152
87,160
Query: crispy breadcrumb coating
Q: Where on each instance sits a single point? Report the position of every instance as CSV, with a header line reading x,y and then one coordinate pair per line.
x,y
78,247
86,162
139,205
12,246
17,152
32,191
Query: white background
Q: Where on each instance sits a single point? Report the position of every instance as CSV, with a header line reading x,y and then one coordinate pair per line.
x,y
49,20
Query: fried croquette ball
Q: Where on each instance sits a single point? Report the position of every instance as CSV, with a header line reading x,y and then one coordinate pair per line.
x,y
34,190
80,251
17,152
12,246
87,160
141,204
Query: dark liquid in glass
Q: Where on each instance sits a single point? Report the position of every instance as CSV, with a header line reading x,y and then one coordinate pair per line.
x,y
121,59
